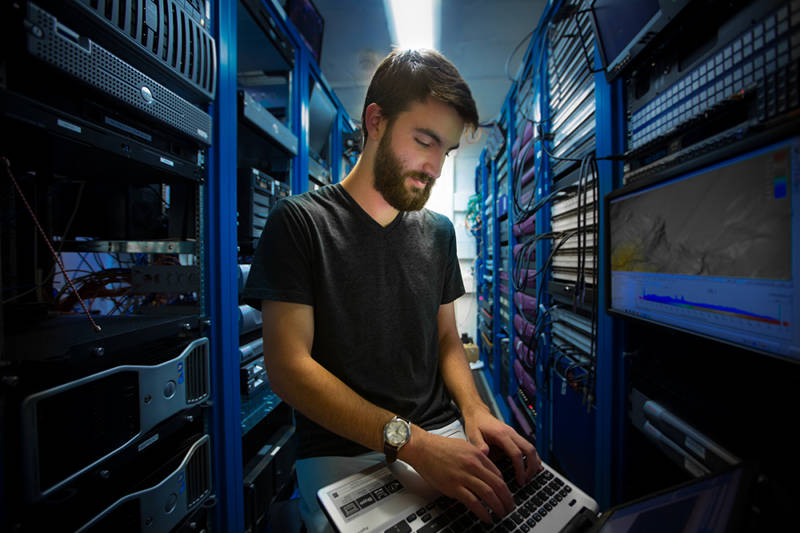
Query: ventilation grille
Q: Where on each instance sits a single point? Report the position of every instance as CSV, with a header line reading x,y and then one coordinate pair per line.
x,y
197,373
198,475
164,30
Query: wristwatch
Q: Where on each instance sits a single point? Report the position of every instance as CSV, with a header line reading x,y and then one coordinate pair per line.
x,y
396,433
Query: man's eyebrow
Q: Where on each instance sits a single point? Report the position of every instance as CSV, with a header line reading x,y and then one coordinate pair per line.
x,y
433,135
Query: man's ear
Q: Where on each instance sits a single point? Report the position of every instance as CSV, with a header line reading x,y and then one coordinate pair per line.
x,y
375,121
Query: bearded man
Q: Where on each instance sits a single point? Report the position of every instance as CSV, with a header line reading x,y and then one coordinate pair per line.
x,y
356,283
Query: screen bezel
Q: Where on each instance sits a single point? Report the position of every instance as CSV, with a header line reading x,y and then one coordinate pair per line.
x,y
614,67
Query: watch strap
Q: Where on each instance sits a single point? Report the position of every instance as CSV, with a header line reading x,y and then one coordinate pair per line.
x,y
390,452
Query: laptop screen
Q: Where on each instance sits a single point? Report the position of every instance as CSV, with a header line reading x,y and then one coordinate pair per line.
x,y
699,507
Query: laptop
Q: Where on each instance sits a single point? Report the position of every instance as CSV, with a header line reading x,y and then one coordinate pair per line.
x,y
395,499
714,503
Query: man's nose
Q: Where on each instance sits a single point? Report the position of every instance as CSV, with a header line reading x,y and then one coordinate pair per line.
x,y
433,167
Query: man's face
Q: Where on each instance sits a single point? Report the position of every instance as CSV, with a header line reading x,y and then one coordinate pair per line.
x,y
411,152
390,179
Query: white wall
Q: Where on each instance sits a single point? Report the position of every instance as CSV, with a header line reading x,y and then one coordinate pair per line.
x,y
450,197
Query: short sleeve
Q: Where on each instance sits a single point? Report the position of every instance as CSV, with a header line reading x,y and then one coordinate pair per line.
x,y
453,284
281,268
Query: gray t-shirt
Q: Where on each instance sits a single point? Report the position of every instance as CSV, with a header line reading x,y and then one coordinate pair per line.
x,y
375,291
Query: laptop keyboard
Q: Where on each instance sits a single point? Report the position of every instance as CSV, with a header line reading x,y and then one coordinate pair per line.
x,y
533,502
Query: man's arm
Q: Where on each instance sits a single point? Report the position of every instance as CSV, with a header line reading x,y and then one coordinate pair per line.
x,y
481,427
452,466
288,330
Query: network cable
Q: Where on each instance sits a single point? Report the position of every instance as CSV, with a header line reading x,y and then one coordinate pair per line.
x,y
473,218
573,15
7,164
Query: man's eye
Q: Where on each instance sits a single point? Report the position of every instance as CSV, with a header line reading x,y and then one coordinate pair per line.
x,y
426,145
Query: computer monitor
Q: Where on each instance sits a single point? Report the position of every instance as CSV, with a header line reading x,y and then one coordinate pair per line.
x,y
322,114
715,503
309,22
624,28
715,252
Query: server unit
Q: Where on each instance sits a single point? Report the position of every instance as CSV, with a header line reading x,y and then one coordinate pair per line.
x,y
169,37
137,397
173,491
257,194
58,45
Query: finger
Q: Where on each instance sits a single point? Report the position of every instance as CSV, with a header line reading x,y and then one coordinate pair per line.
x,y
473,504
489,464
515,454
494,479
537,462
490,497
487,473
476,438
532,462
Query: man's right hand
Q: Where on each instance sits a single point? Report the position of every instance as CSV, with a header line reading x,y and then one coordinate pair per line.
x,y
458,469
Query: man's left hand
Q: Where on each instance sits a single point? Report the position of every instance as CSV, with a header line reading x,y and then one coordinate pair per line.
x,y
485,431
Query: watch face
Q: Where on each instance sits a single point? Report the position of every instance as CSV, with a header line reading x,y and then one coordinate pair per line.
x,y
396,432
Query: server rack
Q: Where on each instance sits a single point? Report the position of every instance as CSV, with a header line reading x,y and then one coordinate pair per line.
x,y
514,157
670,107
492,264
158,168
726,101
485,270
266,147
572,279
105,352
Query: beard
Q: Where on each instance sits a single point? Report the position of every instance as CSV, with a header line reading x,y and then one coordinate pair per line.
x,y
390,180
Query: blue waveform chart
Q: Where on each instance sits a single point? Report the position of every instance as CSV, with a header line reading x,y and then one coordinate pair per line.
x,y
712,308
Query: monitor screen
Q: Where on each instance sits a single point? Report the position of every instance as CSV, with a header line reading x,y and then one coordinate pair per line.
x,y
321,118
306,18
698,507
623,28
715,252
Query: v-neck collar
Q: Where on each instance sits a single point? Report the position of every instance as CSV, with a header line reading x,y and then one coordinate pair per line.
x,y
362,213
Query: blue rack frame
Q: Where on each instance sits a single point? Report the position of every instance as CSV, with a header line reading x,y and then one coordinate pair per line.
x,y
221,238
611,372
222,291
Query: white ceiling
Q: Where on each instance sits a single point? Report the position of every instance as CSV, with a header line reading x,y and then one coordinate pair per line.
x,y
478,36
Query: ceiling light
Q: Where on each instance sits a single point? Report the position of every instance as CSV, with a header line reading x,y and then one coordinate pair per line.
x,y
413,23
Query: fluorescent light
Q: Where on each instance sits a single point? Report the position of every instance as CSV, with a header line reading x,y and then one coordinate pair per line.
x,y
413,23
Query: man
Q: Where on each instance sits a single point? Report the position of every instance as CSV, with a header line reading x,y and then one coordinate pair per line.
x,y
356,283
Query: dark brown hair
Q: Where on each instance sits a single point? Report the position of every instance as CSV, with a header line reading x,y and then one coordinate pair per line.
x,y
405,76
